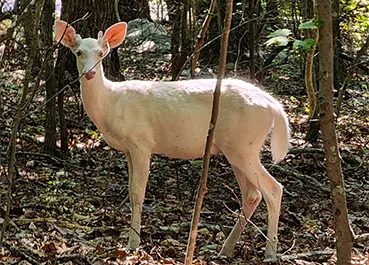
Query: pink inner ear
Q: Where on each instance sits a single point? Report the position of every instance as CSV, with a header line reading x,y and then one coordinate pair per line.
x,y
116,34
65,33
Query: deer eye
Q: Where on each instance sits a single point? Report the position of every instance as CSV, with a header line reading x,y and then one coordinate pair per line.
x,y
79,53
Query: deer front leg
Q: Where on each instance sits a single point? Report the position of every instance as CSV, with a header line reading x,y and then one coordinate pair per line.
x,y
138,164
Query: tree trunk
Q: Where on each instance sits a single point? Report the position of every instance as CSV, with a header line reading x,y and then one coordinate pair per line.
x,y
201,38
174,14
252,41
181,43
26,23
333,161
272,13
47,40
64,65
312,135
130,10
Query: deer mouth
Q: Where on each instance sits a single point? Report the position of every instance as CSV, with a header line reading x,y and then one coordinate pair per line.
x,y
91,74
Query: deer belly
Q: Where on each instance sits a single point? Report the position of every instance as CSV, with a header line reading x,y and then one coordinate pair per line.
x,y
184,144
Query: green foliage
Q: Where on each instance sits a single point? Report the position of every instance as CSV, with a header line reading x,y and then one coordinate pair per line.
x,y
209,247
280,32
94,133
354,21
281,37
304,44
311,24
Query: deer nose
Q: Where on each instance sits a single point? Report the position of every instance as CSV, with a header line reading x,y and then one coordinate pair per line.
x,y
90,74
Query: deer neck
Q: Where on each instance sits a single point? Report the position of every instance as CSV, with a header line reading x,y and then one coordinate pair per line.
x,y
95,93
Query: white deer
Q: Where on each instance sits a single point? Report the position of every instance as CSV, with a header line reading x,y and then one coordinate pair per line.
x,y
141,118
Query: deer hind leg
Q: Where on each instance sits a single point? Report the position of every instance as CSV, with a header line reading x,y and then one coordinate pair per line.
x,y
271,190
251,198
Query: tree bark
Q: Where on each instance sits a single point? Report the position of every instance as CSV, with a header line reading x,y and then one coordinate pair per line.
x,y
47,40
181,43
272,13
252,41
130,10
209,141
201,38
309,12
185,48
327,122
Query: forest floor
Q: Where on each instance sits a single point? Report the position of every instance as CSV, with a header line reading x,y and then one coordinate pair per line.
x,y
76,210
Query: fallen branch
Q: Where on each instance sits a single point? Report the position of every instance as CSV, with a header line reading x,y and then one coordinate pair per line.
x,y
313,256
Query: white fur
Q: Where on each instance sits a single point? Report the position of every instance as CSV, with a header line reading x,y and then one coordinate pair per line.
x,y
172,118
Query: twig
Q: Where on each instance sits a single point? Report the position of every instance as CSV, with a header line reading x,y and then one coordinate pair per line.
x,y
248,220
178,187
209,141
288,250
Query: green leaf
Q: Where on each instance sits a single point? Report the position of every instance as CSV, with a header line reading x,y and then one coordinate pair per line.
x,y
311,24
280,41
304,44
79,217
310,42
203,231
279,33
196,163
209,247
279,37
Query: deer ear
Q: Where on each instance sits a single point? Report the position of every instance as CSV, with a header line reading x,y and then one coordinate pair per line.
x,y
115,34
66,34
